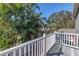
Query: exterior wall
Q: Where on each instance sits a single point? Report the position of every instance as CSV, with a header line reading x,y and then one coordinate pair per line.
x,y
77,24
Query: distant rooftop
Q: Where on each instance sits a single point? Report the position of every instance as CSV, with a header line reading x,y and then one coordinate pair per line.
x,y
67,30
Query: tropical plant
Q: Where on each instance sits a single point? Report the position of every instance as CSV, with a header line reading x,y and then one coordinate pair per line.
x,y
20,23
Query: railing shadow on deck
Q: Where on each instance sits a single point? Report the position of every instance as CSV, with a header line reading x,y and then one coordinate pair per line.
x,y
56,50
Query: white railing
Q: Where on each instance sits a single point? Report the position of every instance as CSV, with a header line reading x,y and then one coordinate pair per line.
x,y
68,39
37,47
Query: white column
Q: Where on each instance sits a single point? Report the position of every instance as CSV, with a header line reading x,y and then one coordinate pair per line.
x,y
77,24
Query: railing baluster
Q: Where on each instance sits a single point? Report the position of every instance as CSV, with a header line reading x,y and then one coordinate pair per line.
x,y
32,49
41,46
14,53
37,48
60,37
71,41
69,38
74,40
63,38
29,50
19,51
56,37
66,38
25,51
6,54
77,40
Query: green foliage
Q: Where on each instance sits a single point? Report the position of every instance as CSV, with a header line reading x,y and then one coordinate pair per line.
x,y
19,23
62,19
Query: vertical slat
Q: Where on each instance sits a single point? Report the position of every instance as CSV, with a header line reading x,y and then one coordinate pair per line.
x,y
6,54
28,49
60,37
14,53
66,39
77,40
41,47
63,38
74,40
37,48
25,51
32,49
19,51
71,40
45,46
56,37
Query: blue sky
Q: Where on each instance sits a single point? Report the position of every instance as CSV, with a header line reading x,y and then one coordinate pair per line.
x,y
48,8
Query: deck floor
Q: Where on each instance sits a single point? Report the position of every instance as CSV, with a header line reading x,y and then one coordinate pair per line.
x,y
60,50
